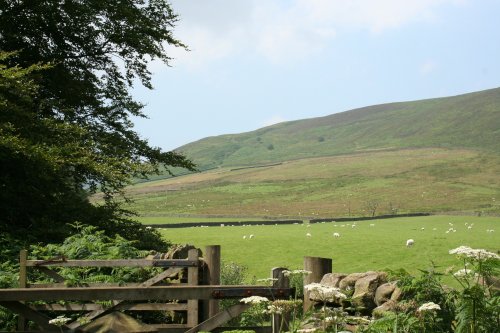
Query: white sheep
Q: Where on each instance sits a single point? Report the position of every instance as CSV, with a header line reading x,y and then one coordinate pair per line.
x,y
336,234
251,236
410,242
308,235
245,237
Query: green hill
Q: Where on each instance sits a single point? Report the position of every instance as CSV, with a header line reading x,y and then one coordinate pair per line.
x,y
469,121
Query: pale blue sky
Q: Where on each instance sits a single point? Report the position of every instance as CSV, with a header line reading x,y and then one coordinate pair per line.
x,y
257,62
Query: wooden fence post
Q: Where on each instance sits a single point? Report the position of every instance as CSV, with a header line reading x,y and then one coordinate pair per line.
x,y
212,277
23,282
318,267
280,322
192,310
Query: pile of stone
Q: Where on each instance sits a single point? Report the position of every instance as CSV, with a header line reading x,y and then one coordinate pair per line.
x,y
371,292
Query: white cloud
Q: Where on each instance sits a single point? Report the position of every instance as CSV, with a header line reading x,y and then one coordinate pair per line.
x,y
286,31
275,119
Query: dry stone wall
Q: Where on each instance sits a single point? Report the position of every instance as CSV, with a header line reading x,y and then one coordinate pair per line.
x,y
371,291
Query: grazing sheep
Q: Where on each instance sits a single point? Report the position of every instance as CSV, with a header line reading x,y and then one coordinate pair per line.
x,y
410,242
336,234
251,236
308,235
245,237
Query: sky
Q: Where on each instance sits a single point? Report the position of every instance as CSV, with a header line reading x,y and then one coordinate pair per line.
x,y
254,63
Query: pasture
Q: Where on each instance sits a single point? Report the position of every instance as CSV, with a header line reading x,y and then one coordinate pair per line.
x,y
370,245
403,181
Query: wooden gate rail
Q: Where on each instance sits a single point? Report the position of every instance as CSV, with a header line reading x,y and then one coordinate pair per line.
x,y
114,263
141,293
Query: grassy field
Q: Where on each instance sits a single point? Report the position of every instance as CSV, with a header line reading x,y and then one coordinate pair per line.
x,y
403,181
362,248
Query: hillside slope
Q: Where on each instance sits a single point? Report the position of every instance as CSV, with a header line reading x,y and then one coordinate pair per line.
x,y
362,184
465,121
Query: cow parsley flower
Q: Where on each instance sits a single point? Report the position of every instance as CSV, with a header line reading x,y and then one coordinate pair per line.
x,y
296,272
476,254
324,293
281,306
430,306
254,300
463,272
59,321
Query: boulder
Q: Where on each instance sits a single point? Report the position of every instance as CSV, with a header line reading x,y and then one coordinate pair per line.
x,y
332,279
380,310
396,294
349,281
384,292
364,291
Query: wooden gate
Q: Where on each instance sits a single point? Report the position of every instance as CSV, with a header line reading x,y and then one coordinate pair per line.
x,y
196,297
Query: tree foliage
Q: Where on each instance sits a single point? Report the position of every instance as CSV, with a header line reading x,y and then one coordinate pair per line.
x,y
66,128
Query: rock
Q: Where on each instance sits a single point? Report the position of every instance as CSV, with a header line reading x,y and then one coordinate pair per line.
x,y
384,292
380,310
332,279
349,281
364,291
396,294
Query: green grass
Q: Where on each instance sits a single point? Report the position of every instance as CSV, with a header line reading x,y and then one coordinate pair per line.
x,y
363,248
412,180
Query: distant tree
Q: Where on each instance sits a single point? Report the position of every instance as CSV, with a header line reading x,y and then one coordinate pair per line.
x,y
372,206
65,111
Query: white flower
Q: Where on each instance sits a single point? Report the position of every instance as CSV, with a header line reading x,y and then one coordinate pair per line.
x,y
295,272
324,293
478,254
59,321
463,272
254,300
429,307
307,330
273,309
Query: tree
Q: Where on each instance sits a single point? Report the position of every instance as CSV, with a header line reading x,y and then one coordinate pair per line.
x,y
65,110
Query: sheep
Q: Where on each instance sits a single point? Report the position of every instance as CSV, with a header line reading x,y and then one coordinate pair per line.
x,y
308,235
336,234
245,237
410,242
251,236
